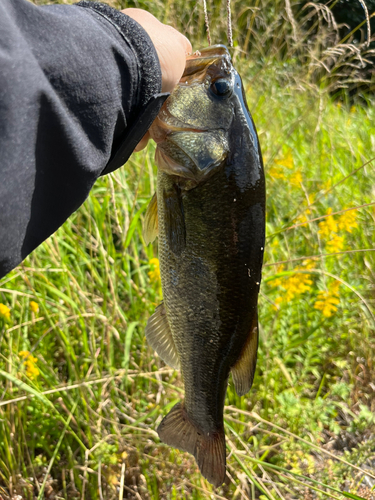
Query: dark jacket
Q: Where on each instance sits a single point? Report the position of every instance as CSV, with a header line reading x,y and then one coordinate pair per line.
x,y
79,87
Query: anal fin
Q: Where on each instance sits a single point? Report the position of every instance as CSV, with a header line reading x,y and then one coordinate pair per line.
x,y
159,336
244,370
209,450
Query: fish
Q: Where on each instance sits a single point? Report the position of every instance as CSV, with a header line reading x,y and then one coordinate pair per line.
x,y
209,215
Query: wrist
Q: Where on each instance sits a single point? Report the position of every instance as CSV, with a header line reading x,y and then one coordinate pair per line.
x,y
143,49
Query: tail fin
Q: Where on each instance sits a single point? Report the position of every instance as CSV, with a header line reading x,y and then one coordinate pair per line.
x,y
209,450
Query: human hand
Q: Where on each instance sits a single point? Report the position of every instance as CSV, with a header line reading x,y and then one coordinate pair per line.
x,y
172,48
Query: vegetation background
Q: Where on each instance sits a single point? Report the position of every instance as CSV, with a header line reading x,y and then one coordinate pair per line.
x,y
81,393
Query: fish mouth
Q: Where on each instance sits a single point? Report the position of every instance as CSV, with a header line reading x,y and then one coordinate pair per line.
x,y
201,68
161,128
185,170
193,156
186,174
201,59
191,129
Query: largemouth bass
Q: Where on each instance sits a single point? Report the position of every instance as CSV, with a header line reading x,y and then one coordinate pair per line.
x,y
209,214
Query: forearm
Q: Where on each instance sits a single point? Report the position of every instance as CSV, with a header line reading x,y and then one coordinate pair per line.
x,y
73,84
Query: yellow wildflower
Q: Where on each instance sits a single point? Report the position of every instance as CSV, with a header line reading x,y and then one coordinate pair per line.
x,y
326,303
308,264
276,282
334,287
336,244
278,302
276,173
296,178
347,221
328,300
34,306
154,274
277,170
297,284
352,109
287,160
29,362
326,185
4,312
328,225
302,218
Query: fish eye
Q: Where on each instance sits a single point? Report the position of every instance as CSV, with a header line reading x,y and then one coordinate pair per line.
x,y
221,87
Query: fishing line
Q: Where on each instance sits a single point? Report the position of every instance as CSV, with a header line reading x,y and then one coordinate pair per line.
x,y
229,23
206,22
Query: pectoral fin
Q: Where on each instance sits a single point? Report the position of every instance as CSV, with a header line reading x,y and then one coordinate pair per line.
x,y
244,369
151,227
174,219
159,336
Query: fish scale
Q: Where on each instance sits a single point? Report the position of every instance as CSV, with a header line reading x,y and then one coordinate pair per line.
x,y
209,213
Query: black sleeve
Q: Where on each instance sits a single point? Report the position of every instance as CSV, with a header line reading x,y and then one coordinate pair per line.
x,y
79,87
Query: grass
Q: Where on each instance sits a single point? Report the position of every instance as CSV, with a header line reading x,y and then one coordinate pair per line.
x,y
78,414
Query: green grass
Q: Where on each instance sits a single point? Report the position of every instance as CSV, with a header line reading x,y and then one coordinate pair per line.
x,y
84,427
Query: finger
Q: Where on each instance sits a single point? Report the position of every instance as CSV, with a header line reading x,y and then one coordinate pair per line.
x,y
172,50
171,46
142,143
187,45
